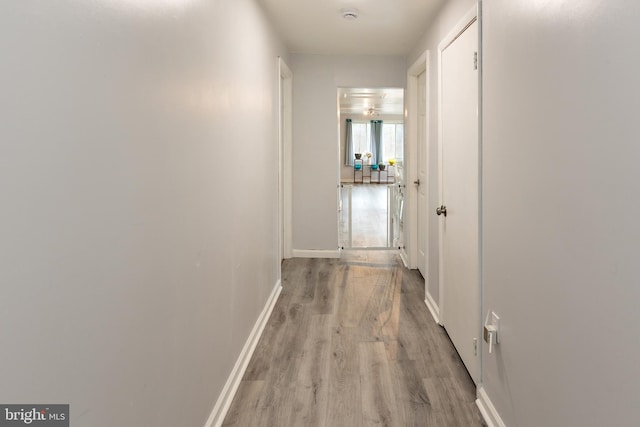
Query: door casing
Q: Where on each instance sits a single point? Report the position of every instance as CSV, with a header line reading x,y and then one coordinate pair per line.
x,y
285,98
410,252
420,145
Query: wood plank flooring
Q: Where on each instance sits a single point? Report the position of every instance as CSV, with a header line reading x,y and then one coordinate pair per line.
x,y
351,343
369,216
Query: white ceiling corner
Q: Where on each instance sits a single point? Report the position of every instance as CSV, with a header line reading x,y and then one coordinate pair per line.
x,y
383,27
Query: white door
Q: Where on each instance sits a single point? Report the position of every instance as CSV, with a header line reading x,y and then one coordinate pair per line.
x,y
460,251
423,222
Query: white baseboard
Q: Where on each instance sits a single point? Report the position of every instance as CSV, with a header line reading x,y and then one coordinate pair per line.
x,y
311,253
488,411
233,382
433,307
404,257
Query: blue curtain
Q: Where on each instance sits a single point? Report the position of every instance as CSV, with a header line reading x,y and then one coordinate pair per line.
x,y
348,144
376,141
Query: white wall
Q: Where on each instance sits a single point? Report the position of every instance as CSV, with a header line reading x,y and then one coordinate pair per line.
x,y
316,136
448,16
561,210
135,255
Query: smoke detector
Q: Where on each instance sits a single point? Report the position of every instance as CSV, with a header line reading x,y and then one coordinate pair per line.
x,y
349,14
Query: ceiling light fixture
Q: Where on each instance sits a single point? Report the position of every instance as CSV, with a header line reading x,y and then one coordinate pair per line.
x,y
349,14
371,112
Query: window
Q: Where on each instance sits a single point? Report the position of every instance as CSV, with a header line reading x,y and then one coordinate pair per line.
x,y
360,133
392,141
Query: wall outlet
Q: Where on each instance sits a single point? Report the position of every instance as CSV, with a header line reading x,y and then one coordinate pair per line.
x,y
489,334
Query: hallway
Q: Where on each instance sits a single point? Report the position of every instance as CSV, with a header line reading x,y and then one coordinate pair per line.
x,y
351,343
159,160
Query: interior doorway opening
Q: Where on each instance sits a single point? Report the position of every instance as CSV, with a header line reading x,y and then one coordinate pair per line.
x,y
371,190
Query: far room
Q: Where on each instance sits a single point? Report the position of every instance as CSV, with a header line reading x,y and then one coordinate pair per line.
x,y
371,164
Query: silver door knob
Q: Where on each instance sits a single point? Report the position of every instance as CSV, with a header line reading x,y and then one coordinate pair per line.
x,y
441,210
417,181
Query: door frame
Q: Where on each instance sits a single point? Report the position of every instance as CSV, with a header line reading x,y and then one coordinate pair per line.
x,y
468,19
415,70
340,150
285,185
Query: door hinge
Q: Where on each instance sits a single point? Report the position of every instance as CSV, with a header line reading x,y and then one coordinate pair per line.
x,y
475,346
475,60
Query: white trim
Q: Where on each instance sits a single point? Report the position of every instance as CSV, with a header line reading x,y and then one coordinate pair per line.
x,y
440,194
433,307
403,257
233,382
421,65
488,411
285,184
480,185
469,18
315,253
411,160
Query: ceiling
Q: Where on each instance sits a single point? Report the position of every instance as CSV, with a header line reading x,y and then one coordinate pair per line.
x,y
371,103
383,27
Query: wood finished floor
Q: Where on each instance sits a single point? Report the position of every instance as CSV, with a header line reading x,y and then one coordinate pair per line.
x,y
369,215
351,343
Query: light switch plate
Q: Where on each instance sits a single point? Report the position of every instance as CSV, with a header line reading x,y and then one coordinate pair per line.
x,y
495,321
486,334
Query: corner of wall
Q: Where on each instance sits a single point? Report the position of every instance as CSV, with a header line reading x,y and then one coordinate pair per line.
x,y
433,307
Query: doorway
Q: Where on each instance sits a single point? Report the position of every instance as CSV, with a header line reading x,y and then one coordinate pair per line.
x,y
370,200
